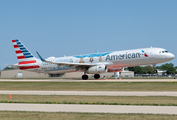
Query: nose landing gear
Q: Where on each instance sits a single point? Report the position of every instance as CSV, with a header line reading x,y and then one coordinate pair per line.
x,y
155,71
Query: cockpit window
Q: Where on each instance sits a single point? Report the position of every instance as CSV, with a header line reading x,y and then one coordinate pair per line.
x,y
163,51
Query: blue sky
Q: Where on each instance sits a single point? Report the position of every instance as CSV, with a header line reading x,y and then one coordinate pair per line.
x,y
73,27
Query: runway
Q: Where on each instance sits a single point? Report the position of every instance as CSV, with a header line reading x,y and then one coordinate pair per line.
x,y
89,108
90,93
100,80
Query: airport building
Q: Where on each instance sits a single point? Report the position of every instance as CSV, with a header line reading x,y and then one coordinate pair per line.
x,y
16,73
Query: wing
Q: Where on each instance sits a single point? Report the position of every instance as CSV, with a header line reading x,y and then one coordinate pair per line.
x,y
76,65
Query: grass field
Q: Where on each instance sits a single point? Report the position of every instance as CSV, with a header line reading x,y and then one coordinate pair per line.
x,y
90,86
81,116
107,100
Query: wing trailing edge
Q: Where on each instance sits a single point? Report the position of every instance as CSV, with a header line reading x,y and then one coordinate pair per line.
x,y
77,65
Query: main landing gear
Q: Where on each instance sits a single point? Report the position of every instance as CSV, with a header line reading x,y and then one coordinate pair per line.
x,y
85,77
96,76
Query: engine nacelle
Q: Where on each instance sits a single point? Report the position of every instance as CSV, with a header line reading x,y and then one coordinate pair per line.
x,y
97,69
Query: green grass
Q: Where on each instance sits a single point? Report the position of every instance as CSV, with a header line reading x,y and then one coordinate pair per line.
x,y
9,115
90,86
103,100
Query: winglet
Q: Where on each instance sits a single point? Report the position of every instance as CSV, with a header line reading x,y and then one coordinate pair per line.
x,y
96,51
42,59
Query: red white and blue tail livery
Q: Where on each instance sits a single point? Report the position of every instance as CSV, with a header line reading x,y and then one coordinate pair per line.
x,y
24,56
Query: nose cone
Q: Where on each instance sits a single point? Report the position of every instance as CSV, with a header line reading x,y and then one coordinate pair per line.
x,y
170,56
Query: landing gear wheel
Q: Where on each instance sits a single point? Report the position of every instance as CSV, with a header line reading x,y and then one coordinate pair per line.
x,y
155,71
96,76
84,77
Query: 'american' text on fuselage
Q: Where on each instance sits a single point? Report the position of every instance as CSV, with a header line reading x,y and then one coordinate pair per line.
x,y
123,56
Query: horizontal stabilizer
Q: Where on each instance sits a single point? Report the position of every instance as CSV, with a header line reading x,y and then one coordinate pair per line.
x,y
11,65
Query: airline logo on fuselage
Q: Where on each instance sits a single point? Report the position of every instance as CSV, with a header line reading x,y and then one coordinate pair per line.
x,y
144,53
125,56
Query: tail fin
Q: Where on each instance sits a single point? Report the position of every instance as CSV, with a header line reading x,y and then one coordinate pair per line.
x,y
24,56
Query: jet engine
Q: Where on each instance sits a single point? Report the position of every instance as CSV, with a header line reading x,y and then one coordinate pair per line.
x,y
97,69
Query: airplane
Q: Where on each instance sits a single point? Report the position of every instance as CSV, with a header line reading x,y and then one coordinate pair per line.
x,y
95,63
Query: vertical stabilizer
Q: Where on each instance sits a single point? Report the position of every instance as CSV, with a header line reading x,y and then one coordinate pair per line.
x,y
24,56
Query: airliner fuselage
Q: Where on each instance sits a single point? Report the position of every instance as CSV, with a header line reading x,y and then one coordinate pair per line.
x,y
95,63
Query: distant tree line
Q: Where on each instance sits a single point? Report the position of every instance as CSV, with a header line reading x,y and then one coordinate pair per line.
x,y
168,67
8,68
